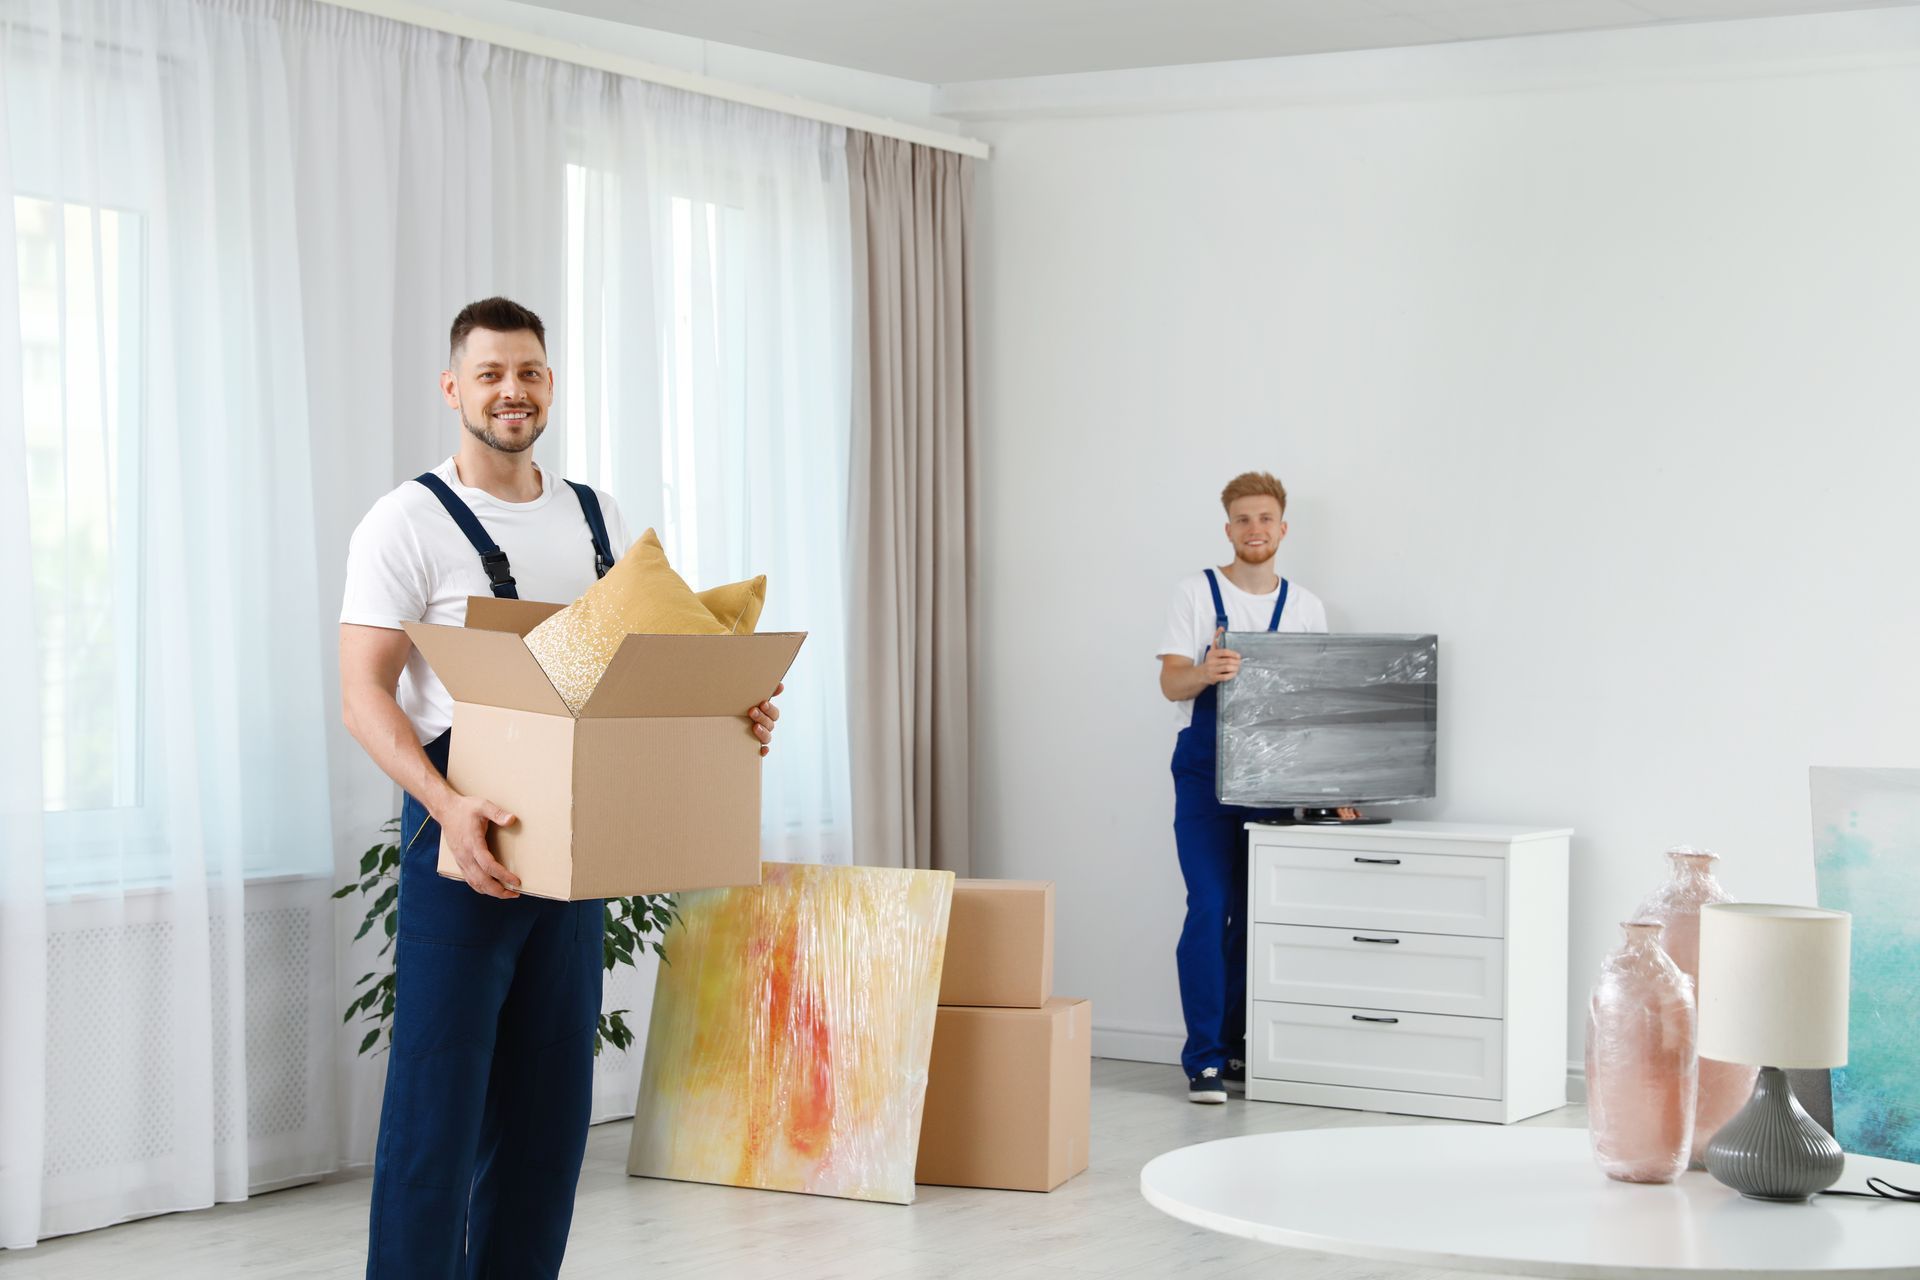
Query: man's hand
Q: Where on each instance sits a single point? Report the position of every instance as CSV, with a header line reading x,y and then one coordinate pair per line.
x,y
1220,664
763,717
463,833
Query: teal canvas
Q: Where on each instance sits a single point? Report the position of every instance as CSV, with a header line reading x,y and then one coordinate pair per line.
x,y
1866,858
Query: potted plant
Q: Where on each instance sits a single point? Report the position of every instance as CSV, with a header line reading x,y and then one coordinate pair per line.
x,y
633,927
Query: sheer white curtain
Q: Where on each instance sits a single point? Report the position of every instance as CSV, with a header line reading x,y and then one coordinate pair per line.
x,y
690,260
706,379
161,569
239,230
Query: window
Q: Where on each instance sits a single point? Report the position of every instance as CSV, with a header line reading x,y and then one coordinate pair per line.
x,y
705,379
82,276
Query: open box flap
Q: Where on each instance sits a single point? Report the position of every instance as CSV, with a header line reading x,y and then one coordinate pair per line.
x,y
490,668
491,613
692,675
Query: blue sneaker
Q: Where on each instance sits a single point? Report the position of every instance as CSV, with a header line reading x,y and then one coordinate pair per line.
x,y
1207,1086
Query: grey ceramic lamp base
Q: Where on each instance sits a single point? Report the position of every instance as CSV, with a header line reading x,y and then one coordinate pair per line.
x,y
1774,1150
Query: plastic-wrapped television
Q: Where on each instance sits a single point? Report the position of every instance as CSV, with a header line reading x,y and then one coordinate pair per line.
x,y
1329,720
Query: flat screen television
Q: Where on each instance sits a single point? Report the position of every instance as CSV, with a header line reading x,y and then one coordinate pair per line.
x,y
1327,721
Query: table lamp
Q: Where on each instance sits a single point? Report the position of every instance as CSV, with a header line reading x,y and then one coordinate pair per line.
x,y
1773,994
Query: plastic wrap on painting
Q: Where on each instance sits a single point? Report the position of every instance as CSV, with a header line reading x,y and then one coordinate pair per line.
x,y
1328,719
791,1031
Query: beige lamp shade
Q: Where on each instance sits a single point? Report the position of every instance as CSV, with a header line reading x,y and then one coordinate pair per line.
x,y
1773,984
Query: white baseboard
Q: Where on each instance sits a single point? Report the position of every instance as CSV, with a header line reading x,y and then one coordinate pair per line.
x,y
1137,1044
1576,1084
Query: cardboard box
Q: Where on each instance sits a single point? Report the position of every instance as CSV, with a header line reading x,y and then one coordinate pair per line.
x,y
1008,1097
653,787
999,944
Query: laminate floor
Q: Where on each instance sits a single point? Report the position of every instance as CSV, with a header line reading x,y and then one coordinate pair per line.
x,y
1095,1225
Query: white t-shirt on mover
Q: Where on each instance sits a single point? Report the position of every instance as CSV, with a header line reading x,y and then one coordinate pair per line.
x,y
1190,620
409,562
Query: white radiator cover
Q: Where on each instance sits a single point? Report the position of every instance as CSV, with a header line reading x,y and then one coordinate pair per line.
x,y
109,1113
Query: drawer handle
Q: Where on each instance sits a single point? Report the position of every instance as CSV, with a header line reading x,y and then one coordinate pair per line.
x,y
1390,942
1361,1017
1380,862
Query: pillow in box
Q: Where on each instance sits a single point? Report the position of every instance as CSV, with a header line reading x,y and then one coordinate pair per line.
x,y
735,606
641,593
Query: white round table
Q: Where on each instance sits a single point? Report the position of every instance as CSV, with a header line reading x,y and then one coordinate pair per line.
x,y
1524,1201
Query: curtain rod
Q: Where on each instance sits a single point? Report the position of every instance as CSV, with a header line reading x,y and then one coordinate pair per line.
x,y
419,15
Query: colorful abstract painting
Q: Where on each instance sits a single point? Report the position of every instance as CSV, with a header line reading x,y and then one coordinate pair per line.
x,y
791,1030
1866,858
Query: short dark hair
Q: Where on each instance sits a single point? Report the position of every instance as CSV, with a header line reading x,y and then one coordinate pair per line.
x,y
502,315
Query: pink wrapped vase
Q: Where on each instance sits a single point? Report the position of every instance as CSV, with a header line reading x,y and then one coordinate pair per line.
x,y
1724,1087
1640,1061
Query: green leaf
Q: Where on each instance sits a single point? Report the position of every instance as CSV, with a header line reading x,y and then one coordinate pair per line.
x,y
385,900
364,926
368,1043
362,978
344,890
369,860
393,925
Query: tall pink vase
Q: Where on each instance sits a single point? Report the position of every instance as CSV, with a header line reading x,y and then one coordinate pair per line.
x,y
1724,1086
1640,1061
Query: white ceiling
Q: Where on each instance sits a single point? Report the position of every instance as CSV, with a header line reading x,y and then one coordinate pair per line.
x,y
950,41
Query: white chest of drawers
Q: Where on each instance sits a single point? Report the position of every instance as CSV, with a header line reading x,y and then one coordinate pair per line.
x,y
1417,968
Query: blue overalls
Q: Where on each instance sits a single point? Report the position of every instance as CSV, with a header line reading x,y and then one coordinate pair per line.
x,y
490,1081
1210,837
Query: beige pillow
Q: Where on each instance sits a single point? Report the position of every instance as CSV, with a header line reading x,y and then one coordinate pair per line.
x,y
641,593
735,606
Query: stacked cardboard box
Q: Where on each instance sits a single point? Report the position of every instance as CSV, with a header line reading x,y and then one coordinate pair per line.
x,y
1008,1089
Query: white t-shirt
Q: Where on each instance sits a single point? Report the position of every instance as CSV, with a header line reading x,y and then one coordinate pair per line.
x,y
409,562
1190,620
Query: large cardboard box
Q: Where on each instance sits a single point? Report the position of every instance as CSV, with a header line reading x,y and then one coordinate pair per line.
x,y
999,944
653,787
1008,1096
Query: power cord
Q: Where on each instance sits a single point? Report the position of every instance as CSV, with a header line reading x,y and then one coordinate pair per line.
x,y
1880,1189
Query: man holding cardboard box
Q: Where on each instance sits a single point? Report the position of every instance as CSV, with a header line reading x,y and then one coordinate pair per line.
x,y
1246,595
489,1084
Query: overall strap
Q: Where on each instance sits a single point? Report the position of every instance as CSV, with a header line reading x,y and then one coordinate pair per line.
x,y
1279,606
492,558
1219,605
597,523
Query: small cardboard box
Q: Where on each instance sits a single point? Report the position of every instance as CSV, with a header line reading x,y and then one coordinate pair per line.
x,y
653,787
999,944
1008,1099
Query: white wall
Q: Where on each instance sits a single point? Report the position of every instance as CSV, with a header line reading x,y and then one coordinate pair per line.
x,y
1607,370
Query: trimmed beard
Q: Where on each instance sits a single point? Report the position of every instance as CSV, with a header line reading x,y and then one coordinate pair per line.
x,y
1272,549
487,436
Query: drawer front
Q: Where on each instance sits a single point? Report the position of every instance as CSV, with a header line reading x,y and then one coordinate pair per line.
x,y
1414,892
1376,1049
1374,969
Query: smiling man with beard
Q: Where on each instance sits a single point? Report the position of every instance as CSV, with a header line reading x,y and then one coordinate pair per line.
x,y
489,1084
1247,595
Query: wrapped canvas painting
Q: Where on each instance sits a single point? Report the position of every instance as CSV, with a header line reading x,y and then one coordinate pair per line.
x,y
791,1031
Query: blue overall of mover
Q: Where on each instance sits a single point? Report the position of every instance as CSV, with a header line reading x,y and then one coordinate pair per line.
x,y
490,1081
1211,838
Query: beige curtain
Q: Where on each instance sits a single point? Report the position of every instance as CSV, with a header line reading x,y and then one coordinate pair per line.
x,y
913,498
